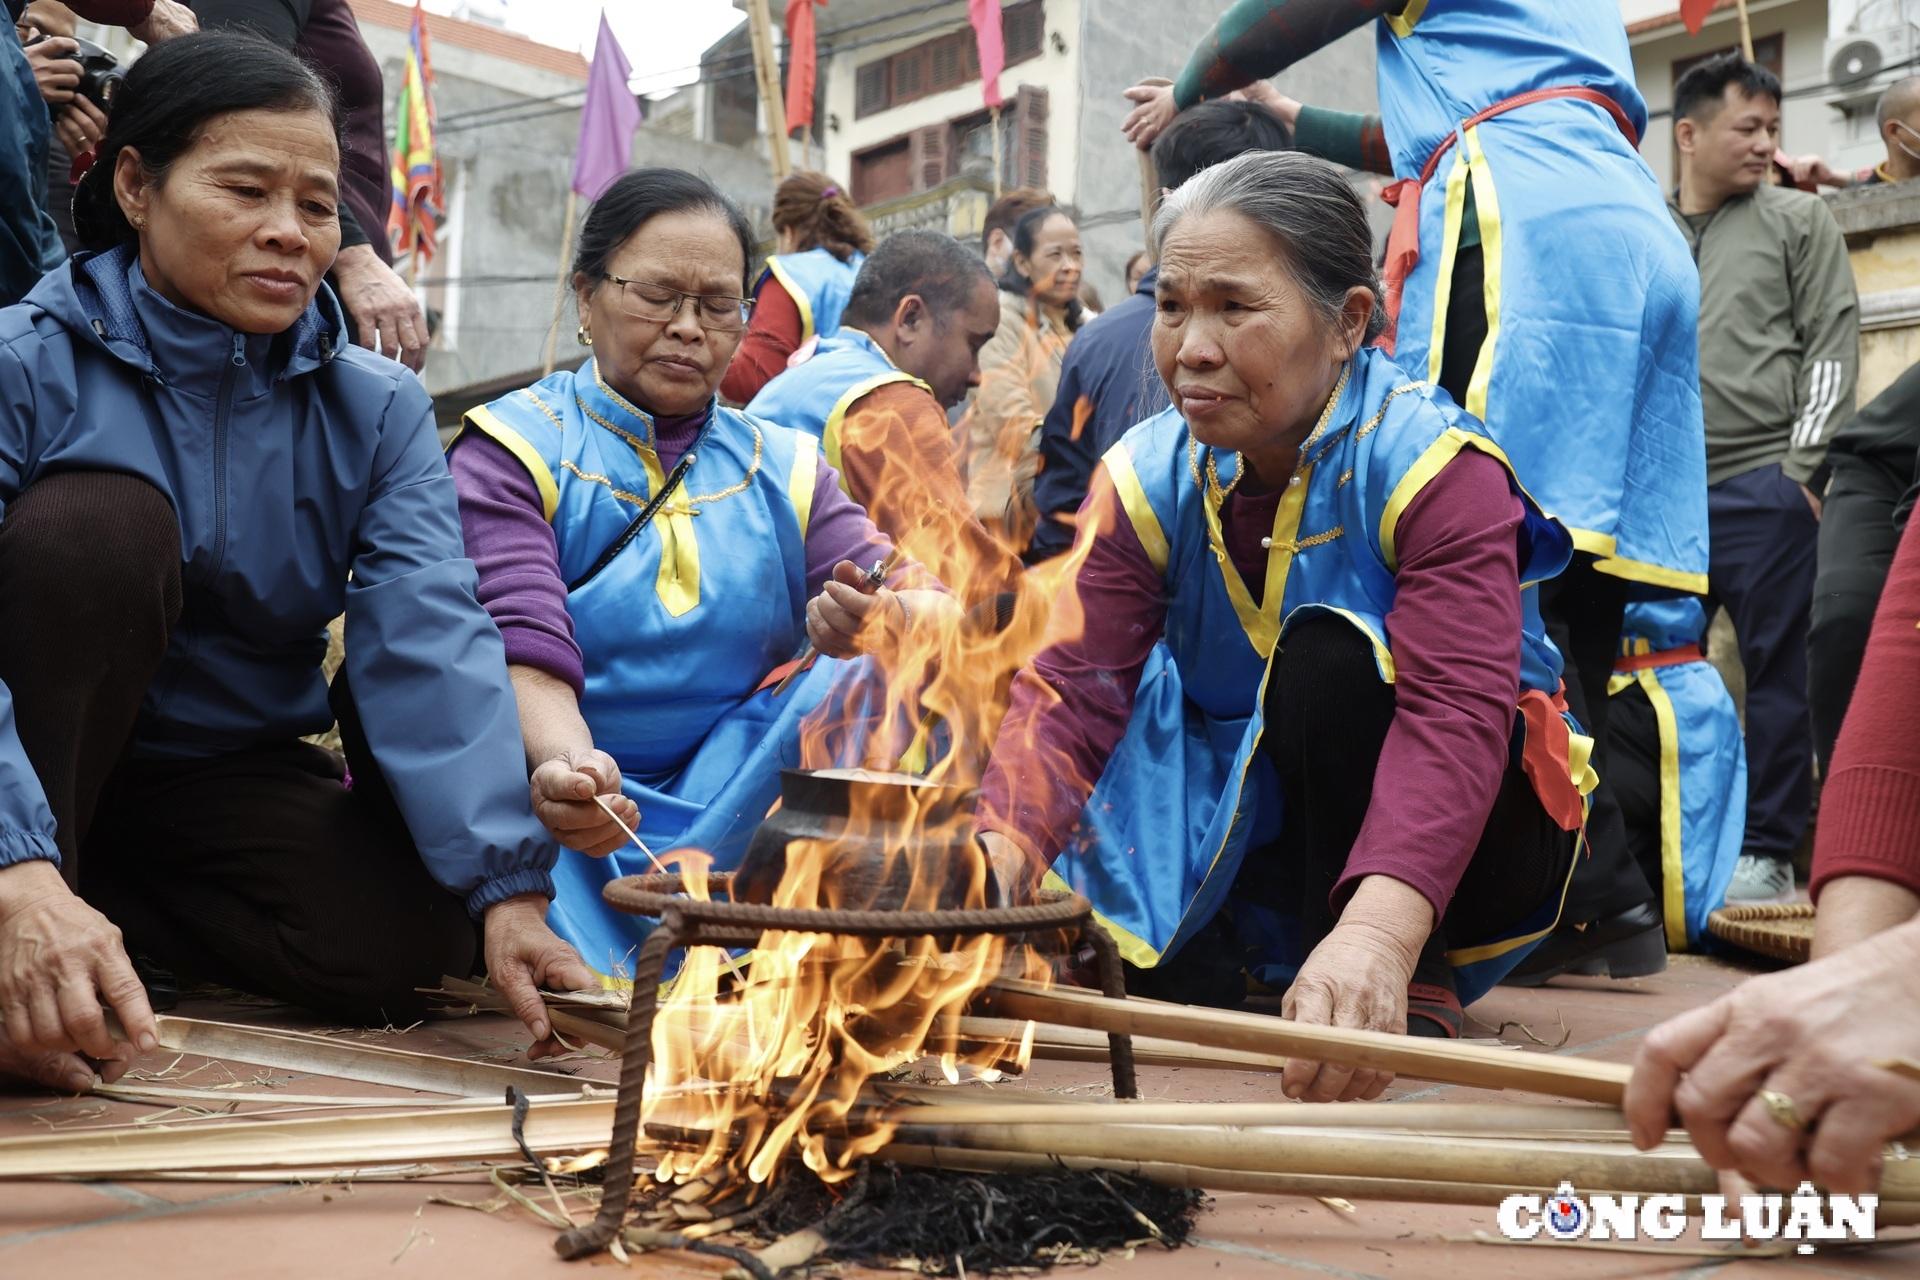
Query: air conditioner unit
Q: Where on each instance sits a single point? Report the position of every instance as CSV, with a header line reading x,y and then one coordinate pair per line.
x,y
1869,60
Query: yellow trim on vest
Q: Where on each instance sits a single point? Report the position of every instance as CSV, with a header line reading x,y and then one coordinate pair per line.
x,y
794,291
1673,875
678,582
1420,474
519,446
1601,546
1133,500
1486,206
1261,622
1404,21
1456,216
830,431
1134,949
800,480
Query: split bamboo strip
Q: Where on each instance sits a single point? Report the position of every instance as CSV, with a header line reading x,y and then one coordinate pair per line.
x,y
585,1025
1503,1120
1073,1044
1343,1153
1422,1059
369,1064
169,1095
1405,1190
452,1133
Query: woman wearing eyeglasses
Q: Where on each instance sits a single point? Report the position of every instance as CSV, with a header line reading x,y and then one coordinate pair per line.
x,y
651,556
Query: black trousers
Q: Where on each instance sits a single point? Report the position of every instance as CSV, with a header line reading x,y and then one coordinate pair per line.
x,y
1858,534
258,870
1327,715
1583,610
1633,759
1763,538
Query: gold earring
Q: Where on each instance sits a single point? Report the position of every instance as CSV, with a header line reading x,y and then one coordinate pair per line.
x,y
581,336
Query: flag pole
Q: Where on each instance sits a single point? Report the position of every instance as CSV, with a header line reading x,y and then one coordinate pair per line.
x,y
560,284
1746,31
995,126
767,75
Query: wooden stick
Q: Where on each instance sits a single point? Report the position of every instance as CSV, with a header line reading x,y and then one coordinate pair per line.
x,y
1746,32
370,1064
993,114
1072,1044
1406,1190
1149,196
766,74
452,1133
1421,1059
1504,1120
560,284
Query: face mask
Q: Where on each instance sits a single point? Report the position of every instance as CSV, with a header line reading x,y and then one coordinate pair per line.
x,y
1915,135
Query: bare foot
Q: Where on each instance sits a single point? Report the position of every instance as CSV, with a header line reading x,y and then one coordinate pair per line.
x,y
63,1072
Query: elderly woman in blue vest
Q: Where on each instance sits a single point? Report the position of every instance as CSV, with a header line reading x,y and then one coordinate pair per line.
x,y
199,470
821,240
1676,760
1303,724
651,557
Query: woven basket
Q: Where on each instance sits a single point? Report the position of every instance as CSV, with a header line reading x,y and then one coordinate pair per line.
x,y
1783,931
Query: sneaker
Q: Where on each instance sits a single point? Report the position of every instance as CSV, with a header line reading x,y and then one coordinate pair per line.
x,y
1758,879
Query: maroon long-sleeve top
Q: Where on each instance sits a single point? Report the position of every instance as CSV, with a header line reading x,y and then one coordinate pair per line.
x,y
1454,631
1870,807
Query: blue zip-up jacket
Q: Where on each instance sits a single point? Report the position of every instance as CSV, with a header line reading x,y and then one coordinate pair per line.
x,y
308,481
1110,366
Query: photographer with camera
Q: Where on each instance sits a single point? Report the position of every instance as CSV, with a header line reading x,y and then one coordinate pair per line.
x,y
29,241
77,79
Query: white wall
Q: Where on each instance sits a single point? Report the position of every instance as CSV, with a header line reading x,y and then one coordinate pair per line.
x,y
1807,124
1057,73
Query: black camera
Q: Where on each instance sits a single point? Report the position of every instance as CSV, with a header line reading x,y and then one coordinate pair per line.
x,y
100,72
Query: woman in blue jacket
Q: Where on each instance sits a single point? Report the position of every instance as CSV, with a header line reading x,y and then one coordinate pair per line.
x,y
197,471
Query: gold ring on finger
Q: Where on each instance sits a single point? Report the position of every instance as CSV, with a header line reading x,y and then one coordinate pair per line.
x,y
1781,1108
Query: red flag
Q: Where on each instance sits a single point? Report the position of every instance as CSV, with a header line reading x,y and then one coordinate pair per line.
x,y
985,17
1694,14
801,63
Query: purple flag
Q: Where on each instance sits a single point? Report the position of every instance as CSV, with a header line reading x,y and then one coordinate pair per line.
x,y
607,121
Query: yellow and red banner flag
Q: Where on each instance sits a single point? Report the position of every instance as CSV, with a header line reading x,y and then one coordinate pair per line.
x,y
418,200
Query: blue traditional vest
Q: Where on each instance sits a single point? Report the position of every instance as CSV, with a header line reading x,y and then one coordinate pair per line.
x,y
679,629
1589,374
823,382
818,283
1702,765
1188,790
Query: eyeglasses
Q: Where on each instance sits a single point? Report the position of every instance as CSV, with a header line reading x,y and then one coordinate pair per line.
x,y
718,312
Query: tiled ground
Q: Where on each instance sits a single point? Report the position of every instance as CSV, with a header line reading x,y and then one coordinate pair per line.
x,y
159,1230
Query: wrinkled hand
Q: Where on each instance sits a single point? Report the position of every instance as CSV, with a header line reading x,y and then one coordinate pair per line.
x,y
167,20
59,959
1805,169
563,790
522,956
80,127
55,73
843,618
387,315
1153,111
1356,977
1264,93
1811,1033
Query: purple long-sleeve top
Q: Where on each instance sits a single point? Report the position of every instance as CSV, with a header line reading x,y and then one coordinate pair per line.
x,y
1455,634
513,546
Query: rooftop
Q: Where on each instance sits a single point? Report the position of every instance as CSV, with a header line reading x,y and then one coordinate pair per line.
x,y
474,36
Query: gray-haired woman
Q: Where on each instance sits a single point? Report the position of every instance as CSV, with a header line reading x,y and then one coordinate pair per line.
x,y
1314,695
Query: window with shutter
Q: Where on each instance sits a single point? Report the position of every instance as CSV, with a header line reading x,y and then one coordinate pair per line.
x,y
870,89
1023,28
909,75
1030,137
929,156
884,172
949,60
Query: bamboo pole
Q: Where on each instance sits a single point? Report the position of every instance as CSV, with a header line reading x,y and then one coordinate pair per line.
x,y
1073,1044
560,278
1149,197
1404,1190
766,74
994,128
1501,1119
1421,1059
1746,32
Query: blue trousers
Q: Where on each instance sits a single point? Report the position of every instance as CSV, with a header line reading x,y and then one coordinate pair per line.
x,y
1761,571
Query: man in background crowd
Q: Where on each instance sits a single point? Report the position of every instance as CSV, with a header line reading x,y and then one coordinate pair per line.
x,y
1779,353
1898,121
